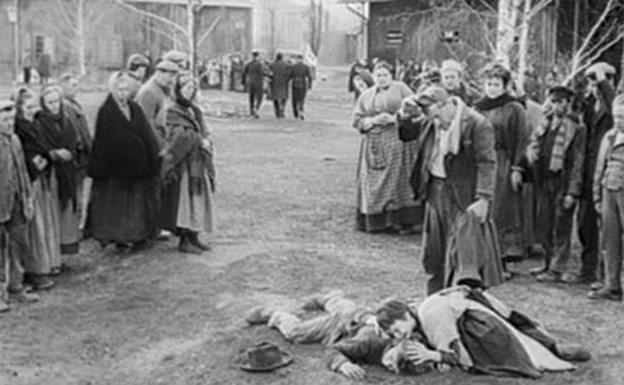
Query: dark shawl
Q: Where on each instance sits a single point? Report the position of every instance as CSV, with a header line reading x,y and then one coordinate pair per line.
x,y
187,130
29,134
57,133
486,103
122,148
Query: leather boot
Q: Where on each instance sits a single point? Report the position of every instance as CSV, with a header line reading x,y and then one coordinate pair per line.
x,y
186,246
194,239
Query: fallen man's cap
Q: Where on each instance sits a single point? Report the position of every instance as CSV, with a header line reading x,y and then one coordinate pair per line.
x,y
263,357
561,92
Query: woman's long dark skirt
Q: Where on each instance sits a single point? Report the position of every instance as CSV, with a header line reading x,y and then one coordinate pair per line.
x,y
123,210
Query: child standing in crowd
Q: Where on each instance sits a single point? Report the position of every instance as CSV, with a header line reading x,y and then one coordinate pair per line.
x,y
556,154
16,209
609,200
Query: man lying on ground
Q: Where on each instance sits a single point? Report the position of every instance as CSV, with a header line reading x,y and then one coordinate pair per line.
x,y
349,332
473,330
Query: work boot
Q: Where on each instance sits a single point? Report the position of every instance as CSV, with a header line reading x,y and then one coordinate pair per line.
x,y
259,315
38,282
549,276
573,353
23,297
194,239
606,293
187,247
577,279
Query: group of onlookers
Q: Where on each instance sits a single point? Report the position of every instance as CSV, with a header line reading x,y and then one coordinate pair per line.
x,y
149,167
523,169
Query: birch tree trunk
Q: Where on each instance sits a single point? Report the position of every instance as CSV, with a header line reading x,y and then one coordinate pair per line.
x,y
506,31
81,38
523,49
190,14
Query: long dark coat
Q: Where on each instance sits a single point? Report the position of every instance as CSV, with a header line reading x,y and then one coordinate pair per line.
x,y
279,80
512,137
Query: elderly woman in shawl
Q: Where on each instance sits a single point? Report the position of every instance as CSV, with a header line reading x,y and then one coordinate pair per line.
x,y
60,137
188,169
384,196
44,229
124,164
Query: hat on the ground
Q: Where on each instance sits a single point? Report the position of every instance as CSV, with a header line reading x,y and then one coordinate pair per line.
x,y
452,65
606,68
6,104
263,357
431,95
560,92
167,66
137,60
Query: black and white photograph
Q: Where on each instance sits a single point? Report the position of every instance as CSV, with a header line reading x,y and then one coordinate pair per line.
x,y
305,192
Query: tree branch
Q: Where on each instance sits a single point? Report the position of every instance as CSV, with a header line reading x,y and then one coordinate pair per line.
x,y
590,61
164,20
590,35
539,7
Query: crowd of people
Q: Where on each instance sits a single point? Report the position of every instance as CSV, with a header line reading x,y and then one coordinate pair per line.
x,y
146,172
487,164
496,175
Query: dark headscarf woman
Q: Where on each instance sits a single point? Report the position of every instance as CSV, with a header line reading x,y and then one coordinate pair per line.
x,y
60,136
188,169
511,128
124,164
44,229
385,200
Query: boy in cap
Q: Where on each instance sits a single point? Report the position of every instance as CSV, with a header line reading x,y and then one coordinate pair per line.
x,y
609,201
16,209
454,172
179,58
597,119
555,153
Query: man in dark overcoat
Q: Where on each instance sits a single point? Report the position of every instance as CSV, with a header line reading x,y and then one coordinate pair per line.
x,y
280,73
253,78
301,78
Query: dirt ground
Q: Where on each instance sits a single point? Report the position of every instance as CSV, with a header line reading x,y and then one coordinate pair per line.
x,y
285,230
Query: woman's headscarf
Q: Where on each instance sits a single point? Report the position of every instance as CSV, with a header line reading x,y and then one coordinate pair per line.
x,y
181,80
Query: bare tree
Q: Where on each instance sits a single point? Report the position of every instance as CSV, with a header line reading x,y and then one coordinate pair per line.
x,y
187,30
79,21
606,32
317,13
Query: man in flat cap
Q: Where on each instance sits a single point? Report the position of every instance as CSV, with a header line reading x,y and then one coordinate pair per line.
x,y
597,119
179,58
155,94
556,155
452,73
137,67
16,209
454,172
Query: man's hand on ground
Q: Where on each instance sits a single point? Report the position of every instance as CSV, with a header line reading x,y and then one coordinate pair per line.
x,y
352,371
480,209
